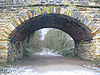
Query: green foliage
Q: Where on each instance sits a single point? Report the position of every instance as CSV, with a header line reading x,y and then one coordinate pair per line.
x,y
29,37
33,40
27,53
54,39
4,62
32,44
66,52
57,40
96,61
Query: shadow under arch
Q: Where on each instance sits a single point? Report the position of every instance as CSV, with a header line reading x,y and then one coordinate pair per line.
x,y
77,30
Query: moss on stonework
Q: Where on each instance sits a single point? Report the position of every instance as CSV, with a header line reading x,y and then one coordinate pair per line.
x,y
3,61
96,61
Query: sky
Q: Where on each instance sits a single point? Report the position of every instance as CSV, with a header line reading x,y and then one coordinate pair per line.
x,y
44,32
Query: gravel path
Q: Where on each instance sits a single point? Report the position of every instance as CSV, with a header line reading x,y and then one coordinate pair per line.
x,y
50,65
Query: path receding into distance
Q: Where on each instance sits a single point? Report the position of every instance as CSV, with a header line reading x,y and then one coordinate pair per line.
x,y
51,64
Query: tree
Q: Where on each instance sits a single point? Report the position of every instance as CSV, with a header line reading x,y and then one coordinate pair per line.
x,y
33,41
56,39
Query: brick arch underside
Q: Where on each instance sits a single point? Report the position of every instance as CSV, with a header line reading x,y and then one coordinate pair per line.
x,y
77,30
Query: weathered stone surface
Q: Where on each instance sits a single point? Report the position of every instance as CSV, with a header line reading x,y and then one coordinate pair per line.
x,y
86,50
67,24
15,51
78,18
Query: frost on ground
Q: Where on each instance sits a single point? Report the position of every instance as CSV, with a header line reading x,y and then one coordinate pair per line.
x,y
59,66
90,67
47,52
29,71
16,70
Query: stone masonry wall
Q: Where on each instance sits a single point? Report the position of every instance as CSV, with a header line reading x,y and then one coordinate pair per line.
x,y
12,15
15,51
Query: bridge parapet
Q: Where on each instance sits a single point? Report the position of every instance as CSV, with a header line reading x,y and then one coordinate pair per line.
x,y
30,2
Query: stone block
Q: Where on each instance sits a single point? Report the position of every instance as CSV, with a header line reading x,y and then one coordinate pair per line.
x,y
88,16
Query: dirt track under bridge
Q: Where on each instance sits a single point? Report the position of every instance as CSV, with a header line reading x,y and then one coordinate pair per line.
x,y
51,65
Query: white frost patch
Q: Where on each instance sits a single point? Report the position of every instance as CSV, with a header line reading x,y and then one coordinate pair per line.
x,y
95,68
32,72
73,72
28,70
47,52
17,70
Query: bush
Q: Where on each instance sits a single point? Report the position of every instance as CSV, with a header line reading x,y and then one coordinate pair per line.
x,y
66,52
27,53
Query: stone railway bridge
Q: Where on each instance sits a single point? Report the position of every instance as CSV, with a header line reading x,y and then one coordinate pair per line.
x,y
79,18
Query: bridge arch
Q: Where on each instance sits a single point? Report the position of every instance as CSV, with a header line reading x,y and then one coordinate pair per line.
x,y
77,30
74,23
